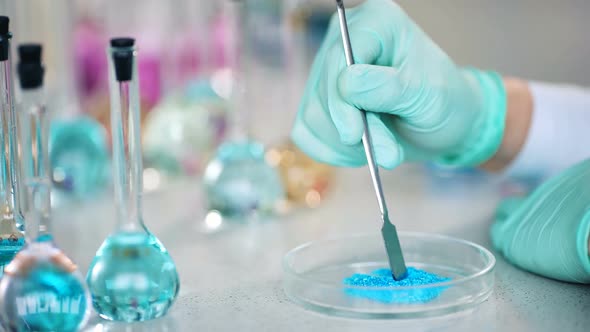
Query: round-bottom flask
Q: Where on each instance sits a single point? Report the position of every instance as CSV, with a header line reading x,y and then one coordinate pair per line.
x,y
79,156
132,278
239,181
42,290
183,131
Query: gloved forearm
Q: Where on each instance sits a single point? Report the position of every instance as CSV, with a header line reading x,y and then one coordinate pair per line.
x,y
548,233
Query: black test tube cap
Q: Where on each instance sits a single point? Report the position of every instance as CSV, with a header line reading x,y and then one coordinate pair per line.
x,y
4,38
30,69
123,58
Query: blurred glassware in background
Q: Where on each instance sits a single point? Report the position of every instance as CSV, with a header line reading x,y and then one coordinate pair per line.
x,y
185,60
264,31
11,214
184,118
136,18
79,155
98,19
306,181
89,59
188,124
219,37
42,289
277,61
239,183
183,130
78,144
309,21
299,29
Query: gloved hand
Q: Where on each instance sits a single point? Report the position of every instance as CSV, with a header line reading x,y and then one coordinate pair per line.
x,y
548,232
421,105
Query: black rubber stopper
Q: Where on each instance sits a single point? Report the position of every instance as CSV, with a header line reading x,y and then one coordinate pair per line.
x,y
30,53
123,58
122,42
30,69
4,23
4,38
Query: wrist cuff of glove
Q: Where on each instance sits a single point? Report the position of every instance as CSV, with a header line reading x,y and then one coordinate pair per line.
x,y
488,130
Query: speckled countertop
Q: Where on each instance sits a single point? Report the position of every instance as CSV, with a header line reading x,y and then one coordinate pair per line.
x,y
231,280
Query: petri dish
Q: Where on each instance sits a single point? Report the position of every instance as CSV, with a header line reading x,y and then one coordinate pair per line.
x,y
314,275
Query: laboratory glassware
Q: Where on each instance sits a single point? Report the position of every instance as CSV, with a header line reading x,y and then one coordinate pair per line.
x,y
238,181
42,289
132,276
184,129
305,180
79,155
316,274
78,145
12,237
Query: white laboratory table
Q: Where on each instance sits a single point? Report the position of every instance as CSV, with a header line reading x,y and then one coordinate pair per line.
x,y
231,279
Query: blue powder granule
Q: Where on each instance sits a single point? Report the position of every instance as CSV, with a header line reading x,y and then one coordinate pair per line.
x,y
382,278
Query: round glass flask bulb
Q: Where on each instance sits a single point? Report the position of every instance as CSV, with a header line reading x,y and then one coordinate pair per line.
x,y
42,290
79,154
239,181
181,134
132,278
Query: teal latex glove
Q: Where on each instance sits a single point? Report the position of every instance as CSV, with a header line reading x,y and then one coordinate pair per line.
x,y
548,232
421,105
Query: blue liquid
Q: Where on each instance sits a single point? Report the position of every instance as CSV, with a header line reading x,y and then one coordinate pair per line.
x,y
239,181
78,152
383,278
8,249
44,298
132,278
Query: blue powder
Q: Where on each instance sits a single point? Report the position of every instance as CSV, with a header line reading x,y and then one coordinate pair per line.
x,y
383,278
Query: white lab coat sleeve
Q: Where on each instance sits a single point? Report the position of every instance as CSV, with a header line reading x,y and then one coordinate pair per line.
x,y
559,135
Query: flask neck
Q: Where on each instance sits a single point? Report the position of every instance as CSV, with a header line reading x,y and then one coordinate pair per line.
x,y
34,125
126,137
10,183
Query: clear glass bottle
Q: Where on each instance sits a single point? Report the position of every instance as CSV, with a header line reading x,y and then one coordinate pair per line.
x,y
78,145
42,290
11,216
132,276
184,129
303,25
239,182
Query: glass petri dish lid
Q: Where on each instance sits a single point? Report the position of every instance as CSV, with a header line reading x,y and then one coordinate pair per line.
x,y
315,274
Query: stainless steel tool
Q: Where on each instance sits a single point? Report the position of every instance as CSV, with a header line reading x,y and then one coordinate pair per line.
x,y
388,231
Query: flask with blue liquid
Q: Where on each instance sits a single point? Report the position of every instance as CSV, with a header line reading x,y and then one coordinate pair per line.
x,y
132,276
42,289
